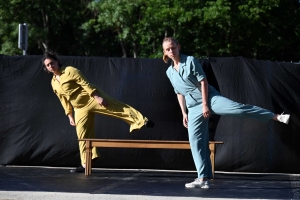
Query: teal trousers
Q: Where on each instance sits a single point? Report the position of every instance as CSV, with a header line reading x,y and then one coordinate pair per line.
x,y
199,131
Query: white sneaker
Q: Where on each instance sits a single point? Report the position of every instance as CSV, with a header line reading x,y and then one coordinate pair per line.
x,y
197,183
284,118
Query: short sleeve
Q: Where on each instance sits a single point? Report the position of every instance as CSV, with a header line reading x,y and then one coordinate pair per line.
x,y
197,70
176,91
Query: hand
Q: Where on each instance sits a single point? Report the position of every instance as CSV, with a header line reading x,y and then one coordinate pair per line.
x,y
206,112
101,101
185,120
71,119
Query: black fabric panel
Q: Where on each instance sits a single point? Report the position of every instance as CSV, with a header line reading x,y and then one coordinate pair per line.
x,y
35,131
33,126
250,145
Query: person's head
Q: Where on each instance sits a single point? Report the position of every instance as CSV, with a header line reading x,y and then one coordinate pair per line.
x,y
170,48
51,63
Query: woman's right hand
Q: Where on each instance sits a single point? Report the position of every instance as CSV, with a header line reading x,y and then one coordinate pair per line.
x,y
101,101
185,120
206,111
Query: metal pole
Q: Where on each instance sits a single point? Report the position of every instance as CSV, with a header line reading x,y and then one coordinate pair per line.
x,y
23,37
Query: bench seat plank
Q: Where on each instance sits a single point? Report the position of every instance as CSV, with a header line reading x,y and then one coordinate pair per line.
x,y
155,144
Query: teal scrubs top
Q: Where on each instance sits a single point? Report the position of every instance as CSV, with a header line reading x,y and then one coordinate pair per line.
x,y
186,80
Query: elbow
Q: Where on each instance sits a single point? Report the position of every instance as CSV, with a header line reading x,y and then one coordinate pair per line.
x,y
204,81
179,95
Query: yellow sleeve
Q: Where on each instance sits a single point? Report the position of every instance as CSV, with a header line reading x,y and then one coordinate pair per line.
x,y
66,105
80,80
64,102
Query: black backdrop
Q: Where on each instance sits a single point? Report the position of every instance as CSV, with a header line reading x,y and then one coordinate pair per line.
x,y
35,131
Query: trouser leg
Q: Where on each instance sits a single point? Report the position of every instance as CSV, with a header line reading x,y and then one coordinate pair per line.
x,y
199,140
84,118
223,106
121,111
85,129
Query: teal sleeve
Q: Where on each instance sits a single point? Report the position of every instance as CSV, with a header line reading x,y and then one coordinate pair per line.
x,y
169,76
196,70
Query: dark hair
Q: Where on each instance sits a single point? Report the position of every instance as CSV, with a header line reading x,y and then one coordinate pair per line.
x,y
168,39
49,55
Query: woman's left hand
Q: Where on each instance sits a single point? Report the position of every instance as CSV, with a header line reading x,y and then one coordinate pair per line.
x,y
71,119
206,111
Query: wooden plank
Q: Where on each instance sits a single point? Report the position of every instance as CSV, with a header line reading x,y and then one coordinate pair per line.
x,y
131,144
164,144
157,144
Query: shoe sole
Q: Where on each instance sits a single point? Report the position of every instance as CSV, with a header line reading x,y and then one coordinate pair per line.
x,y
81,170
202,187
73,171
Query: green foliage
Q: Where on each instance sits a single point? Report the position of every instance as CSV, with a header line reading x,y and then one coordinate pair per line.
x,y
261,29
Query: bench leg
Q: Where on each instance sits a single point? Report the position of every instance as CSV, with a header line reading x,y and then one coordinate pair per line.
x,y
212,158
88,161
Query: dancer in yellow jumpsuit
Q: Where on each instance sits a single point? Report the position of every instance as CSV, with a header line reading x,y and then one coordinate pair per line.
x,y
75,92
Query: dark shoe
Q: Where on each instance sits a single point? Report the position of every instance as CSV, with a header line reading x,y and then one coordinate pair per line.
x,y
79,169
149,124
95,160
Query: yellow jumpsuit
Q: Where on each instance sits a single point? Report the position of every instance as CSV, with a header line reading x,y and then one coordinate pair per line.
x,y
74,91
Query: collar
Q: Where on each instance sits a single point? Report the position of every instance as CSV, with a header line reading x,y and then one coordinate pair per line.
x,y
182,65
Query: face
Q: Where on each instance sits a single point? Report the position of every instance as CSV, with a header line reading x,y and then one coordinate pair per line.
x,y
171,49
52,65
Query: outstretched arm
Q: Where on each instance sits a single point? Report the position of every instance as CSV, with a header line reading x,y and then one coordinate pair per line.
x,y
89,88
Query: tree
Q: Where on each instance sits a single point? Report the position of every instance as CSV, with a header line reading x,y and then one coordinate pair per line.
x,y
120,18
262,29
52,25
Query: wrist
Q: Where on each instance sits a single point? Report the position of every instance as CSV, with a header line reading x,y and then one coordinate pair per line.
x,y
95,94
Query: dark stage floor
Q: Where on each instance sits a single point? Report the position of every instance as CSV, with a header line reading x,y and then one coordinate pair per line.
x,y
17,182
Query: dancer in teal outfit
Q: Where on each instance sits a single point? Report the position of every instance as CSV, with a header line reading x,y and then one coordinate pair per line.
x,y
201,99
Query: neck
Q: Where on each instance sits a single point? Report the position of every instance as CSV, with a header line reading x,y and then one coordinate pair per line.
x,y
57,72
176,60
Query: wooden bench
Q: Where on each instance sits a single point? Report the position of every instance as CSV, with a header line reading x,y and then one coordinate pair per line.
x,y
156,144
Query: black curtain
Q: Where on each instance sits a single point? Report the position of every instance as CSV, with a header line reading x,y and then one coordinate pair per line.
x,y
35,131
